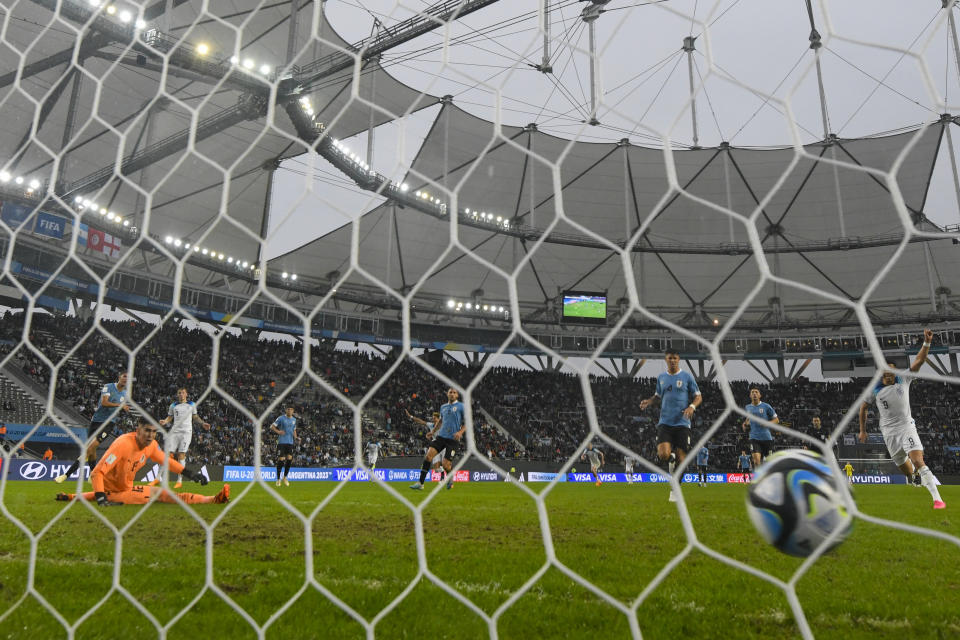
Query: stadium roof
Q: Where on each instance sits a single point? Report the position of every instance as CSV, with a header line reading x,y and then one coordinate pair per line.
x,y
182,108
830,226
128,102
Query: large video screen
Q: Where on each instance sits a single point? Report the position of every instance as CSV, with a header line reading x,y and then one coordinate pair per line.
x,y
583,306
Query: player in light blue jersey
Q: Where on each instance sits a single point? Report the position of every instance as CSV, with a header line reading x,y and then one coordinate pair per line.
x,y
286,427
112,402
453,424
703,456
679,397
744,465
761,440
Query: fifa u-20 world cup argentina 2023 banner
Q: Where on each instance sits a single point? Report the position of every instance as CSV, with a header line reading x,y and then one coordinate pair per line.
x,y
21,469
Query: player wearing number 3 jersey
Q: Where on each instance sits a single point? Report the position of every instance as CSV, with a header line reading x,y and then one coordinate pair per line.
x,y
891,396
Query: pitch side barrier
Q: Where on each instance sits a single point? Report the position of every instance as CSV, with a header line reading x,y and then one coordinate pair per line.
x,y
19,469
55,435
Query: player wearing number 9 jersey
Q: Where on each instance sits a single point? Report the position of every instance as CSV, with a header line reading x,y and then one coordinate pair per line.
x,y
891,396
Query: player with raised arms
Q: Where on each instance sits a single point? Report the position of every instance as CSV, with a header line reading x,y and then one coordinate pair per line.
x,y
452,425
112,402
183,415
596,460
892,398
679,397
761,440
286,427
112,477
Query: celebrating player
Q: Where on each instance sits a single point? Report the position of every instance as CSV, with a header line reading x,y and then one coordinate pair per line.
x,y
112,477
183,415
452,425
373,452
703,456
761,440
596,460
286,427
679,397
892,399
112,398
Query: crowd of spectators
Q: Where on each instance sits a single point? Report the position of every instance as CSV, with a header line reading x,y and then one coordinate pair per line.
x,y
532,415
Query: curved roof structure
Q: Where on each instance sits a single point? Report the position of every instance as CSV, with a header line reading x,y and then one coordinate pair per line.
x,y
830,224
173,120
174,96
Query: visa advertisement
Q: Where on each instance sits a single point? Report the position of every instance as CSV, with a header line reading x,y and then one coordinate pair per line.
x,y
648,478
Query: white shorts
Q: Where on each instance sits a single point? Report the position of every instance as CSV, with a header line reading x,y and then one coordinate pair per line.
x,y
900,441
372,460
179,441
628,468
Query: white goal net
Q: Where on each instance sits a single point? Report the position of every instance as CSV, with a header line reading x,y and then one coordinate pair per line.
x,y
349,208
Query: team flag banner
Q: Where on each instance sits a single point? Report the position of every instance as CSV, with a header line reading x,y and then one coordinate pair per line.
x,y
96,240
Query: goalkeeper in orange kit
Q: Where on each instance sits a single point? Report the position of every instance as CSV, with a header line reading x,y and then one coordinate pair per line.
x,y
112,478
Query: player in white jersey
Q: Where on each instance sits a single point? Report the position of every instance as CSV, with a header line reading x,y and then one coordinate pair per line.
x,y
183,415
373,452
596,460
628,463
892,399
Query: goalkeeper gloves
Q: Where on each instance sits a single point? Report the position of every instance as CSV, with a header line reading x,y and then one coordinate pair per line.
x,y
196,476
102,500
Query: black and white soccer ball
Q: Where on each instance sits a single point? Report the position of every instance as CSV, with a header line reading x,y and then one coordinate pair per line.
x,y
796,501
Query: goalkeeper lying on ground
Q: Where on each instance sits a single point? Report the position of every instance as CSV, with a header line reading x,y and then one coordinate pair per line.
x,y
112,478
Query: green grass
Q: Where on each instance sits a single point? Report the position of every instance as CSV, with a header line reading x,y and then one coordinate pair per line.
x,y
486,541
585,309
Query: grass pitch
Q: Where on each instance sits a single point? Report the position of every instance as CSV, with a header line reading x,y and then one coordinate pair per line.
x,y
485,540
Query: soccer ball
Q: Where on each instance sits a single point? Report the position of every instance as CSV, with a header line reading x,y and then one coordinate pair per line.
x,y
796,502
